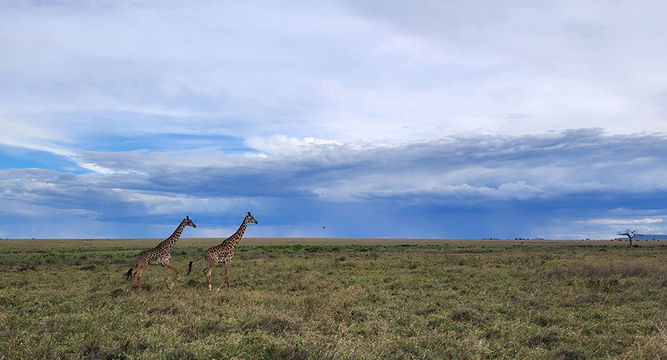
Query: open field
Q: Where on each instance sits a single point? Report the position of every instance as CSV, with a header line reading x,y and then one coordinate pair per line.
x,y
338,299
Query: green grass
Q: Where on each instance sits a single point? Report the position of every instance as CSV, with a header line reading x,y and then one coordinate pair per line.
x,y
338,299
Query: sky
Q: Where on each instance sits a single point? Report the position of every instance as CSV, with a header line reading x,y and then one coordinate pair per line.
x,y
334,118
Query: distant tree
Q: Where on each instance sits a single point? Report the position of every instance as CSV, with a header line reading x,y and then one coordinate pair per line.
x,y
630,234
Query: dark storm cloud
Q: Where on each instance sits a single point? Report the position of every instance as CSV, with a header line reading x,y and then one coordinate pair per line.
x,y
573,172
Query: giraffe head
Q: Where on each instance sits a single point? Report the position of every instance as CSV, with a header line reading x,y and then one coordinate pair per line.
x,y
189,222
250,219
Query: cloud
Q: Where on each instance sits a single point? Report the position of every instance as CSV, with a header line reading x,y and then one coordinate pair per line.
x,y
624,221
336,70
277,145
567,176
479,168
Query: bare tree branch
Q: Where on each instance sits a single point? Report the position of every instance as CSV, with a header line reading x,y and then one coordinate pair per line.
x,y
630,234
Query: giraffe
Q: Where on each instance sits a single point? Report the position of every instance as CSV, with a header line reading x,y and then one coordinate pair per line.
x,y
223,253
159,255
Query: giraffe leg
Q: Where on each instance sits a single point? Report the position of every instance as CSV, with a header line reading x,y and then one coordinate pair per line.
x,y
138,277
207,273
226,278
137,274
175,270
166,277
133,279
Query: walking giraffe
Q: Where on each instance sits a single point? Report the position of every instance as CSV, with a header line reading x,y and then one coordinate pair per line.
x,y
223,253
159,255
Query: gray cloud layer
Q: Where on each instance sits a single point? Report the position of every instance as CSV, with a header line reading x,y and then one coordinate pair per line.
x,y
579,171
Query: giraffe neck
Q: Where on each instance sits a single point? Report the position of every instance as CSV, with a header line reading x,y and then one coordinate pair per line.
x,y
169,242
236,237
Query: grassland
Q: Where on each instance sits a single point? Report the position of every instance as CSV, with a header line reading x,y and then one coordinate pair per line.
x,y
338,299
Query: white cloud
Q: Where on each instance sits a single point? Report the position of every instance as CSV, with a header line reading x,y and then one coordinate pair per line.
x,y
343,71
278,145
624,221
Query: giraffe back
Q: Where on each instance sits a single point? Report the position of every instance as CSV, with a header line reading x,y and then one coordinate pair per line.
x,y
155,256
222,253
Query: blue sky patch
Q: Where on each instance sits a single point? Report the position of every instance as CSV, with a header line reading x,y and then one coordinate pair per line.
x,y
19,158
163,142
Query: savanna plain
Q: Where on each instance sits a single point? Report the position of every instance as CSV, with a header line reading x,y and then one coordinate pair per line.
x,y
338,299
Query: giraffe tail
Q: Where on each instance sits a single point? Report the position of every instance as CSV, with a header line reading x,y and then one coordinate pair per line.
x,y
189,268
129,274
